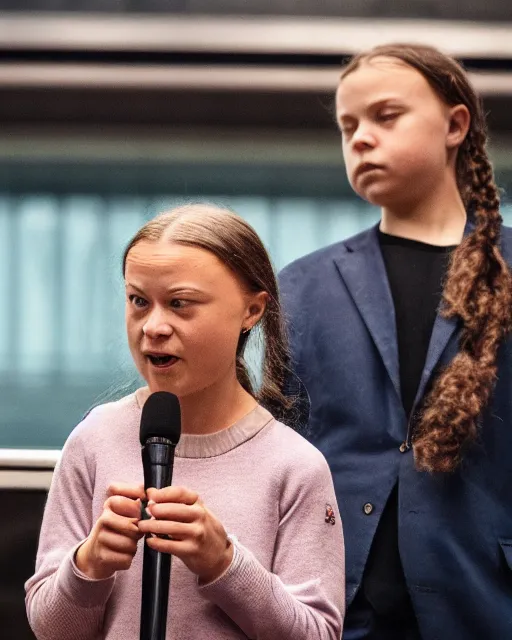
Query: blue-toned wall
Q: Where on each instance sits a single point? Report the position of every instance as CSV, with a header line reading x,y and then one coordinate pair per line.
x,y
62,344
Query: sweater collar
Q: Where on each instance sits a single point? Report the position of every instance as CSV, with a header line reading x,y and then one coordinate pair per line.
x,y
220,442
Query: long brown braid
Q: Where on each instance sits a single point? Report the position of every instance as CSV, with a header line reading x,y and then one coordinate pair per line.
x,y
478,287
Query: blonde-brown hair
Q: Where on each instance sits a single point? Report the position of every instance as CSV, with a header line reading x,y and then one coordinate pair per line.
x,y
478,287
239,247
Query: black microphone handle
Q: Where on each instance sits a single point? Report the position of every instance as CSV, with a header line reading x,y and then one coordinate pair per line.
x,y
158,462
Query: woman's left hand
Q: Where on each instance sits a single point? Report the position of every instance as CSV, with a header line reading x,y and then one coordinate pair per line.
x,y
196,536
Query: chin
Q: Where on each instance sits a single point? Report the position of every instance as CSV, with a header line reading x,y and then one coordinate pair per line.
x,y
383,197
159,383
179,389
170,388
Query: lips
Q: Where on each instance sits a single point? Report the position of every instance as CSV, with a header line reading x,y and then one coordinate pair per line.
x,y
161,360
366,167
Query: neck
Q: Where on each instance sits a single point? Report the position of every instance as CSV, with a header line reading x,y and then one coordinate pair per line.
x,y
212,409
438,219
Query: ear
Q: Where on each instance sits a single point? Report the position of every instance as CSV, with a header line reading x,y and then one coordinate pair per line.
x,y
256,305
458,125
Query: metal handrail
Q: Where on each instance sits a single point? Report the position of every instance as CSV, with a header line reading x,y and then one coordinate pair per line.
x,y
241,34
29,458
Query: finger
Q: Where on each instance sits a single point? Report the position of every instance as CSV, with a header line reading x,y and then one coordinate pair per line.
x,y
120,524
173,494
117,542
178,548
132,491
123,506
176,530
118,561
178,512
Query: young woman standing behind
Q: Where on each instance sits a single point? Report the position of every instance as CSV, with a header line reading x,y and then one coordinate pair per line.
x,y
401,338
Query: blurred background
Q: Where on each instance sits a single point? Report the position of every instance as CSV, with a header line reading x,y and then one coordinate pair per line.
x,y
114,110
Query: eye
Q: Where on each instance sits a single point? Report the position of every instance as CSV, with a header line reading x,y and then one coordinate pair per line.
x,y
347,129
387,116
137,301
177,303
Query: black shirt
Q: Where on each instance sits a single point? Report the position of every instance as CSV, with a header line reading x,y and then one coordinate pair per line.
x,y
416,272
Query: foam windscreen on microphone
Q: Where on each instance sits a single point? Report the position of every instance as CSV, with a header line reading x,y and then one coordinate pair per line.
x,y
161,418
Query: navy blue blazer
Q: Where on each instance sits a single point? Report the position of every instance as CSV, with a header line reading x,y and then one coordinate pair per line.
x,y
455,531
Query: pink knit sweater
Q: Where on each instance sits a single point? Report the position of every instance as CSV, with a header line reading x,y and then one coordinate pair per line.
x,y
269,487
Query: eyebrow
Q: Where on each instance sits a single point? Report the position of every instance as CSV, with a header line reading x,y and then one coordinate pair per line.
x,y
182,289
133,286
381,102
171,290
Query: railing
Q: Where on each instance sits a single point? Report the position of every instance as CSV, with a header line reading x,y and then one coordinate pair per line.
x,y
27,470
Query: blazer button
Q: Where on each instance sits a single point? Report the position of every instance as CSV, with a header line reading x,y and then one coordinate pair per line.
x,y
368,508
404,447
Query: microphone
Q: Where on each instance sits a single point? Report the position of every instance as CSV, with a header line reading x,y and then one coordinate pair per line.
x,y
160,428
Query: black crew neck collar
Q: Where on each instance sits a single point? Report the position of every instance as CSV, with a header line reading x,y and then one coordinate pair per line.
x,y
388,239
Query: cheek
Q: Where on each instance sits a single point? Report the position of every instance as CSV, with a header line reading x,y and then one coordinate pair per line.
x,y
421,163
133,333
347,157
215,340
420,146
350,164
210,344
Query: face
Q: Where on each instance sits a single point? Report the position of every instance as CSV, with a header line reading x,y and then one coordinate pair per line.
x,y
397,134
184,313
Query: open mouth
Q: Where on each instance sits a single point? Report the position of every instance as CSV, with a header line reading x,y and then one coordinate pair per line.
x,y
161,360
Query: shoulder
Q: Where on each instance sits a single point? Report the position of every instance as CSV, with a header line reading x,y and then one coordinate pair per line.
x,y
106,423
312,261
301,478
506,243
293,454
507,233
311,270
104,429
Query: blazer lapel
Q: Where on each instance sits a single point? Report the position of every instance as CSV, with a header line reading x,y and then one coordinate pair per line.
x,y
364,273
442,331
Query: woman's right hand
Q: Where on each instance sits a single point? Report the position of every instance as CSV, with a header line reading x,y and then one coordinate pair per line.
x,y
112,543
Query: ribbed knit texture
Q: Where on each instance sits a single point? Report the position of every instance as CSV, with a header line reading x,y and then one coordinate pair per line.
x,y
268,486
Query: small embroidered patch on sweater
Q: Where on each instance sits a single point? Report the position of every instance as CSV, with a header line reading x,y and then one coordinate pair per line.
x,y
329,514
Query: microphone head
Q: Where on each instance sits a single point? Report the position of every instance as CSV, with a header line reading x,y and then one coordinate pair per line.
x,y
161,418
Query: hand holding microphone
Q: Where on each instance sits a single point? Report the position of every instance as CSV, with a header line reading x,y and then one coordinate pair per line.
x,y
112,543
195,535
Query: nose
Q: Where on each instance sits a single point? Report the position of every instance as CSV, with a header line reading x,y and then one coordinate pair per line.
x,y
157,325
363,138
